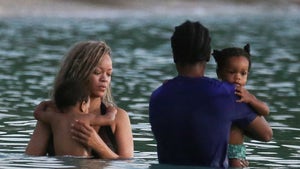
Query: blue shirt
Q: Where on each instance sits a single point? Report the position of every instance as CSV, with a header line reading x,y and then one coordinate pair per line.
x,y
191,119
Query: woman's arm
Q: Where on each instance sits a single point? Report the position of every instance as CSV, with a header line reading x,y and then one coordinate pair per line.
x,y
123,134
122,130
39,140
38,143
45,112
44,116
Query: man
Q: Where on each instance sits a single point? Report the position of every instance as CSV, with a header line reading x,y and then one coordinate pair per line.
x,y
191,114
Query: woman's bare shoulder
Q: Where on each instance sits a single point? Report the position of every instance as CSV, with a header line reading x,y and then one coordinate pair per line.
x,y
122,117
121,113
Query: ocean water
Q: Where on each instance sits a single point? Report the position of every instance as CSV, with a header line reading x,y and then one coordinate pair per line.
x,y
32,45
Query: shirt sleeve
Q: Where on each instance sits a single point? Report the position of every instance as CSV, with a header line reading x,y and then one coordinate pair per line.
x,y
243,114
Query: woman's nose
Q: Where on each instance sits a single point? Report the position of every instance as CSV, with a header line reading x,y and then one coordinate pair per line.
x,y
103,77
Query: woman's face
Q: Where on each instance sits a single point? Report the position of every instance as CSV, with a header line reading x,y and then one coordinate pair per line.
x,y
101,77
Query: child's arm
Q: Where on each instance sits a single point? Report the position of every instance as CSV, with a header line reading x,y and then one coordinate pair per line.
x,y
260,107
104,120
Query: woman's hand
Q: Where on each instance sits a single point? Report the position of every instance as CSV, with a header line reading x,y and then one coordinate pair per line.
x,y
43,107
86,135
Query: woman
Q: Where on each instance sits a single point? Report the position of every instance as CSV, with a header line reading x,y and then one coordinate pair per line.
x,y
91,63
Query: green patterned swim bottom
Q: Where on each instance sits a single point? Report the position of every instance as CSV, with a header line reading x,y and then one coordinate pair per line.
x,y
237,151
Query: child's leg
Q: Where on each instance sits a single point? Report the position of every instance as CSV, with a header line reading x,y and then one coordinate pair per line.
x,y
236,149
237,155
236,135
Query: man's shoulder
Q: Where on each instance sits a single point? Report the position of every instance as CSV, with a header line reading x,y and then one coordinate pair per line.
x,y
204,83
223,86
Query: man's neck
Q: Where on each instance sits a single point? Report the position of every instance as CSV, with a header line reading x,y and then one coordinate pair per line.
x,y
195,70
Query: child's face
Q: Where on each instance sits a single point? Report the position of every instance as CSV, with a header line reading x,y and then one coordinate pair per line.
x,y
236,70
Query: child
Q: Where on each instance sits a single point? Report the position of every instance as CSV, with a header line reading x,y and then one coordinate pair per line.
x,y
233,65
72,99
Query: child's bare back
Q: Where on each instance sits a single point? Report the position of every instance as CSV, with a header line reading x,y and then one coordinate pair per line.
x,y
62,138
60,123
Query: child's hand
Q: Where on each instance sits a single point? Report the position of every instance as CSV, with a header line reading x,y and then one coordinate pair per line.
x,y
246,96
111,112
260,107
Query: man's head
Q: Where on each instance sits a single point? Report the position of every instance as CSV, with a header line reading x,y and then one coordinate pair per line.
x,y
190,43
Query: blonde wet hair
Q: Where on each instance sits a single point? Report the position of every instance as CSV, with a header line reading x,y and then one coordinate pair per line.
x,y
80,62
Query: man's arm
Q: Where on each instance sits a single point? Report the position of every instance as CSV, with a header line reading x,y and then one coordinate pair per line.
x,y
259,129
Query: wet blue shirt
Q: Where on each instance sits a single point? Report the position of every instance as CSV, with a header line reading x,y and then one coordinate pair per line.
x,y
191,119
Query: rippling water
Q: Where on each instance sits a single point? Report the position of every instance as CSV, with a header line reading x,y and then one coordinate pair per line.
x,y
31,48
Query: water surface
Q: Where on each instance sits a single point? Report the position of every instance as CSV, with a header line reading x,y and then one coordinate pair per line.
x,y
31,49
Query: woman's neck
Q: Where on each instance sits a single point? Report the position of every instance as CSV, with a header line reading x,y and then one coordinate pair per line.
x,y
95,105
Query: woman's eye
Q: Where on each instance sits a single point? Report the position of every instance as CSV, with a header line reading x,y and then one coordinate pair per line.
x,y
97,72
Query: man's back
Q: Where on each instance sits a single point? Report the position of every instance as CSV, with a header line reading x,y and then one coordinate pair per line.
x,y
191,115
191,119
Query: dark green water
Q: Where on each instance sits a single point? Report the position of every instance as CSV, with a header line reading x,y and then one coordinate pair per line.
x,y
31,48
